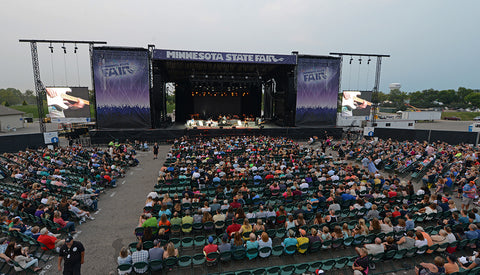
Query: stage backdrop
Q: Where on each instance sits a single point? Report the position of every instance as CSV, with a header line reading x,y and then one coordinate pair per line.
x,y
318,81
121,88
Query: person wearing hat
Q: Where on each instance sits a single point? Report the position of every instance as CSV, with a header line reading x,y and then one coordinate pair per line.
x,y
209,248
302,240
49,240
73,255
156,253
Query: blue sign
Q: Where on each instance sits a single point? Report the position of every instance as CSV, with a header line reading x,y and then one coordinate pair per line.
x,y
224,57
54,140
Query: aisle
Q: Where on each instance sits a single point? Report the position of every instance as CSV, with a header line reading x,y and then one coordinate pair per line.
x,y
117,217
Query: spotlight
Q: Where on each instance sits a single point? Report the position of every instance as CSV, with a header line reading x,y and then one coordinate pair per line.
x,y
64,49
206,76
351,59
51,48
360,61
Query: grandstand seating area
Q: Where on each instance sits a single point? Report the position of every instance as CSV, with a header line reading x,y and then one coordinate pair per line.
x,y
323,187
52,179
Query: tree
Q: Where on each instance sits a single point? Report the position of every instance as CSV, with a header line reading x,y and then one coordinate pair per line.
x,y
474,99
398,98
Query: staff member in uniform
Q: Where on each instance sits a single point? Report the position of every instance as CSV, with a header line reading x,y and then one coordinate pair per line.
x,y
73,253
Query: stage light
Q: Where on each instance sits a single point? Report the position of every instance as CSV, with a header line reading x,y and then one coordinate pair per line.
x,y
64,49
246,77
220,76
233,77
192,76
51,48
351,59
360,61
368,62
206,76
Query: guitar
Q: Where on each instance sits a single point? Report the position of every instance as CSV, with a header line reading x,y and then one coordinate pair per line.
x,y
353,101
61,99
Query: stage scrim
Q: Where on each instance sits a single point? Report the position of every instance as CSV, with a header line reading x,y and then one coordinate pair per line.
x,y
318,80
121,78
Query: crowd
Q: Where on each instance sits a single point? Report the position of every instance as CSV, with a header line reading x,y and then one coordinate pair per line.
x,y
45,193
248,196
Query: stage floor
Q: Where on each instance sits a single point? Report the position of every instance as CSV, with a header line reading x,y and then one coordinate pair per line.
x,y
104,136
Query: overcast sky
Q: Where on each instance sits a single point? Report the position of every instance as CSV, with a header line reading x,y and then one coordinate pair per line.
x,y
432,43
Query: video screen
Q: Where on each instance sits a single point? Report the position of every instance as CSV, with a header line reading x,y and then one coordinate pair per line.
x,y
68,102
356,103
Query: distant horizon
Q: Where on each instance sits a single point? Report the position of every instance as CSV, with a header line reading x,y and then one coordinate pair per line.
x,y
433,44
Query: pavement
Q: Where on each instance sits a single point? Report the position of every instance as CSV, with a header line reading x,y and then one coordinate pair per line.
x,y
118,212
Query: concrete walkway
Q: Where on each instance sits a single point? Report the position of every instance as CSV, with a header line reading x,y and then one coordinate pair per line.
x,y
117,217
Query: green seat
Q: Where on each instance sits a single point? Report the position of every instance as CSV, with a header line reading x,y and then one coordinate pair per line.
x,y
133,247
213,257
225,256
273,270
266,251
156,265
301,268
280,233
170,262
198,259
348,241
287,270
185,261
252,253
239,254
139,266
187,242
147,245
400,254
277,250
314,247
176,242
314,266
328,265
199,241
125,267
341,262
289,250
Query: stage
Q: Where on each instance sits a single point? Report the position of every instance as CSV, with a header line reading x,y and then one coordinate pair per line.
x,y
179,130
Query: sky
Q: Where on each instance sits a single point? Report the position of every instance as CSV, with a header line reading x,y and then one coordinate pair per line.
x,y
432,43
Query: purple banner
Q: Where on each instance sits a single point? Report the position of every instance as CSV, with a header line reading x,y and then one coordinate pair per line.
x,y
121,88
224,57
317,90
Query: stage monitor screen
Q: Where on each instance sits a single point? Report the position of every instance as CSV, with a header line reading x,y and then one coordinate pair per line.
x,y
356,103
68,104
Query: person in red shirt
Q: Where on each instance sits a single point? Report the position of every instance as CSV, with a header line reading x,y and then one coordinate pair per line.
x,y
397,212
234,227
209,248
235,204
49,241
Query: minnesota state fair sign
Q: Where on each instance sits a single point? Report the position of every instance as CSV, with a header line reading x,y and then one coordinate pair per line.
x,y
224,57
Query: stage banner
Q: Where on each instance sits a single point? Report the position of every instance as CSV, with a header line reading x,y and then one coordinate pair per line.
x,y
224,57
356,103
121,88
318,82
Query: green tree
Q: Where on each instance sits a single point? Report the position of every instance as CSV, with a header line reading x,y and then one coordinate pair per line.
x,y
398,98
474,99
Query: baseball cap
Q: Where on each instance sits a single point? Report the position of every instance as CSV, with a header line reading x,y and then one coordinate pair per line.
x,y
210,239
69,239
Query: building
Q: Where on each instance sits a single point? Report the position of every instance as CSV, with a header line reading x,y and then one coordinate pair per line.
x,y
10,119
